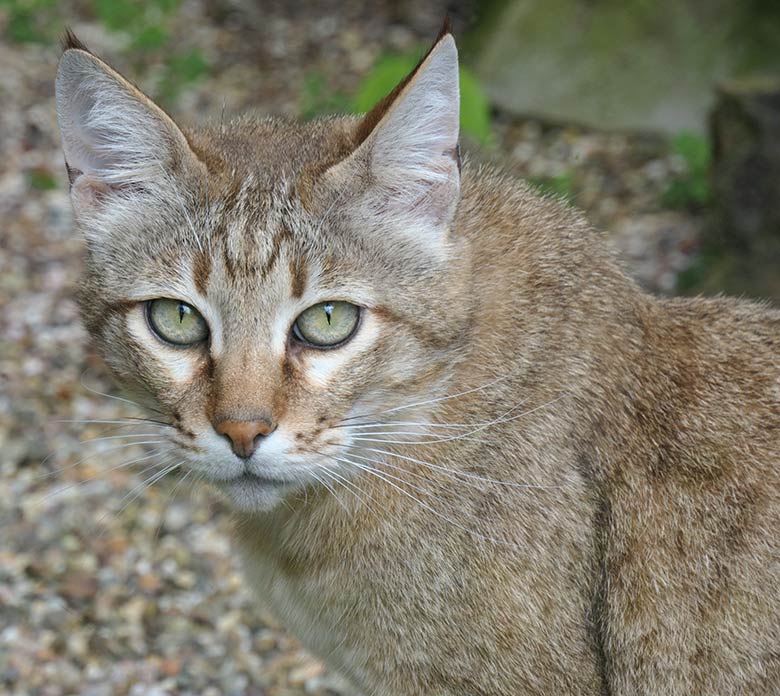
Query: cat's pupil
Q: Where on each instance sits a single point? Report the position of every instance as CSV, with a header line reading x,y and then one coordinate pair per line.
x,y
328,311
182,312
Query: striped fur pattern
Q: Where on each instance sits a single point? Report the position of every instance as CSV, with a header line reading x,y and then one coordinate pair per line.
x,y
522,475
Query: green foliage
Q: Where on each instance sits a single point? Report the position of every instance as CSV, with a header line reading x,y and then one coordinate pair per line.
x,y
29,21
561,186
41,179
691,189
317,98
181,69
390,69
704,267
146,28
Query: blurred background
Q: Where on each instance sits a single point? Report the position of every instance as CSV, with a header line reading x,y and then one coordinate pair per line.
x,y
660,119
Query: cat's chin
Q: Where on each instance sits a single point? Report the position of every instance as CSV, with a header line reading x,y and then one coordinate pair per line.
x,y
250,493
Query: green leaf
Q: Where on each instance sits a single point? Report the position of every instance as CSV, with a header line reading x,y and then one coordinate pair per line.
x,y
694,149
190,66
41,179
474,109
387,72
316,99
119,15
692,188
150,38
31,21
561,186
167,6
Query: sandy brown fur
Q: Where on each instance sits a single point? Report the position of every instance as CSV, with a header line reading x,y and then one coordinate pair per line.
x,y
619,536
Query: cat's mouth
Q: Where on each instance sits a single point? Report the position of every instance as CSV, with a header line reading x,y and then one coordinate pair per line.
x,y
247,478
253,493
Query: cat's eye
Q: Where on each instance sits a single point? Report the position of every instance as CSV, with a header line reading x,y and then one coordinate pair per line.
x,y
177,322
327,324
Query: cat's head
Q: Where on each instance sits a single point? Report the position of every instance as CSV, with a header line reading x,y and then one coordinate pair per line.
x,y
263,284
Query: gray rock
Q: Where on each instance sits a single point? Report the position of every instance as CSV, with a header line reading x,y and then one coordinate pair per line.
x,y
622,65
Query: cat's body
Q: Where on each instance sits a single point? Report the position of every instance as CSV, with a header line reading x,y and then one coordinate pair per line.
x,y
542,480
650,565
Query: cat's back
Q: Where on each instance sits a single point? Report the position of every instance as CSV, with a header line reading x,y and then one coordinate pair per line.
x,y
725,355
693,500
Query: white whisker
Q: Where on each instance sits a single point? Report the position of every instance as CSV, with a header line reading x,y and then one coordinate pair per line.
x,y
394,423
49,474
102,472
460,436
454,472
385,477
367,468
349,486
431,401
116,398
143,485
117,437
168,502
130,420
329,488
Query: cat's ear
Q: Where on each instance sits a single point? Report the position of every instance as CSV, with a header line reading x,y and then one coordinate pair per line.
x,y
408,151
115,139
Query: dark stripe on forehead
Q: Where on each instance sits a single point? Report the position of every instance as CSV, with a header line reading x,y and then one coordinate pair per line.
x,y
201,271
282,235
227,259
299,274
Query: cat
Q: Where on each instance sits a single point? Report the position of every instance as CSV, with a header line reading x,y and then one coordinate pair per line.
x,y
466,453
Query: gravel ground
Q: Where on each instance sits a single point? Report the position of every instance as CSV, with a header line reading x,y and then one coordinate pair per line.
x,y
107,586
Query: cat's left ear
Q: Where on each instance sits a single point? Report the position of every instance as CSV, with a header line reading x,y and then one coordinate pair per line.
x,y
408,144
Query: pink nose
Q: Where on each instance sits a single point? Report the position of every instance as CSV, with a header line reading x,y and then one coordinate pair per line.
x,y
244,436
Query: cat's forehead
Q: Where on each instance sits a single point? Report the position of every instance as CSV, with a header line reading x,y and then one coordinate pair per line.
x,y
270,151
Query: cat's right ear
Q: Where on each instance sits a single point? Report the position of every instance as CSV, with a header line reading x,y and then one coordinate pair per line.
x,y
407,158
115,139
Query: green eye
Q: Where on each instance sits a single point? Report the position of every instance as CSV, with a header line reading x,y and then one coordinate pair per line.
x,y
327,324
176,322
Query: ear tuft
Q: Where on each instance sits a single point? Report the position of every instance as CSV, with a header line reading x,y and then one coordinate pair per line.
x,y
70,40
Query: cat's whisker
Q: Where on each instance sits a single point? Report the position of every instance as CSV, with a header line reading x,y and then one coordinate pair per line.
x,y
349,486
432,424
49,474
338,478
146,483
330,208
118,398
461,436
170,499
121,425
416,433
329,488
388,424
415,442
402,469
89,479
385,477
117,437
183,207
367,468
128,421
429,401
455,472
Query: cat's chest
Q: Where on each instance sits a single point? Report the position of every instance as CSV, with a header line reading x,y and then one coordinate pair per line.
x,y
321,609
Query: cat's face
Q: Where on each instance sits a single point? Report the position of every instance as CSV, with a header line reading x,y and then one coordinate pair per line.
x,y
268,287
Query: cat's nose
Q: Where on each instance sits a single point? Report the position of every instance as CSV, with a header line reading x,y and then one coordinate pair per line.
x,y
244,436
